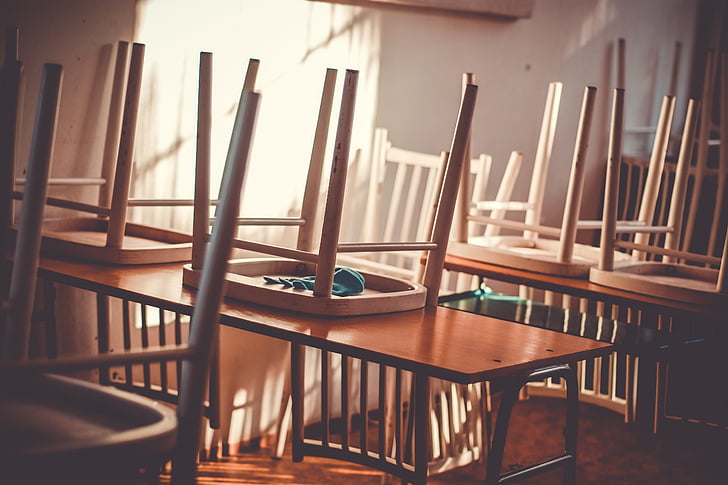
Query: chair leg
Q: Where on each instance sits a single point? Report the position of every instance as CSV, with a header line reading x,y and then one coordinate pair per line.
x,y
510,395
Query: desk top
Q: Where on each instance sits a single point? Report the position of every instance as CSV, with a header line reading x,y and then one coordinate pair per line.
x,y
442,342
580,288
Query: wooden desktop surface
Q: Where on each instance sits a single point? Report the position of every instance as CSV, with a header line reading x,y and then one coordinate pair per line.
x,y
439,342
581,288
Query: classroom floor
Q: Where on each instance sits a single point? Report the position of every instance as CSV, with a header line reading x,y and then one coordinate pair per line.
x,y
610,452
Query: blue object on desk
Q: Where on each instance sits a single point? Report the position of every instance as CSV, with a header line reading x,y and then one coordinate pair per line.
x,y
347,282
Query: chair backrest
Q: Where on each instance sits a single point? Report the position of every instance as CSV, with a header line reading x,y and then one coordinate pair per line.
x,y
710,181
403,190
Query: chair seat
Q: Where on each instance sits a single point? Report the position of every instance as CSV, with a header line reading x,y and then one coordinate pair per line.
x,y
680,282
77,426
539,255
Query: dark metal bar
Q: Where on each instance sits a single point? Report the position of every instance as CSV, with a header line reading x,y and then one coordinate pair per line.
x,y
325,413
364,406
398,441
421,409
102,327
297,391
162,342
126,328
178,339
345,412
145,344
382,435
49,299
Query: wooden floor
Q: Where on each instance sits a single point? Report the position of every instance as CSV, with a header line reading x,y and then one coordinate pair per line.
x,y
610,452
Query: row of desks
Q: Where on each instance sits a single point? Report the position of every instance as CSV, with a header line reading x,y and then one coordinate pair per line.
x,y
440,342
435,342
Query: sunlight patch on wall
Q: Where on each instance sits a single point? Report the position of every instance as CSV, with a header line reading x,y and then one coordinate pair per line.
x,y
603,13
295,42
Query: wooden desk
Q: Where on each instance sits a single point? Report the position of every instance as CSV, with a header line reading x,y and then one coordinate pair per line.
x,y
438,342
584,289
647,390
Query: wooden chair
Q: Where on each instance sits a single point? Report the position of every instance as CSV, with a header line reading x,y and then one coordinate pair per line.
x,y
675,276
709,181
87,433
429,176
554,250
381,294
514,250
393,438
106,235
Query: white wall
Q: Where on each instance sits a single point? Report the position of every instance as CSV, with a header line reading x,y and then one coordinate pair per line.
x,y
565,40
410,65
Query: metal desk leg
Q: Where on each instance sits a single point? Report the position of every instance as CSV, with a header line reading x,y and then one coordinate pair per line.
x,y
297,391
422,425
567,459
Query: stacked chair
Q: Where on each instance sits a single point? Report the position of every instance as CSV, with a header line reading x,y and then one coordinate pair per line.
x,y
382,294
247,278
87,433
105,235
541,249
675,275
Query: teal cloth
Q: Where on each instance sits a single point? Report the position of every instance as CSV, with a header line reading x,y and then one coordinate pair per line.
x,y
347,282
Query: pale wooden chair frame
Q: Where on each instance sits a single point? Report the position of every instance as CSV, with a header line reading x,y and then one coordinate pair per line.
x,y
530,251
179,436
669,278
439,228
563,255
389,294
107,236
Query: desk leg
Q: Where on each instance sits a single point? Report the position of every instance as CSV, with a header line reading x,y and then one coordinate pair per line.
x,y
49,307
422,428
297,390
567,459
103,328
